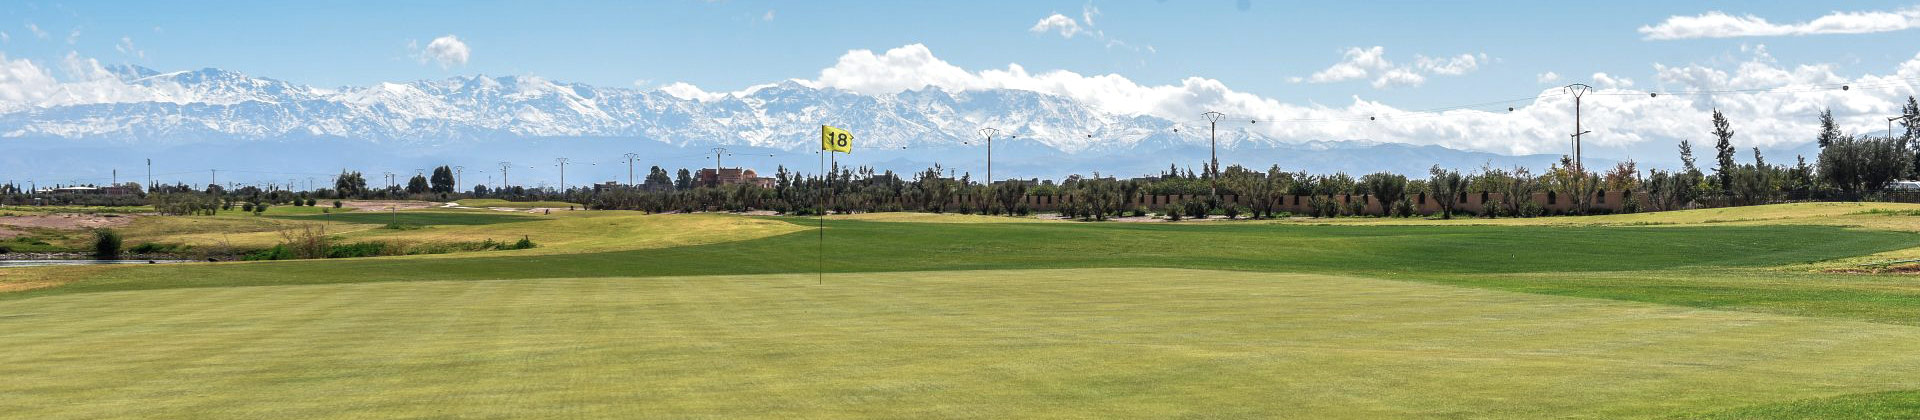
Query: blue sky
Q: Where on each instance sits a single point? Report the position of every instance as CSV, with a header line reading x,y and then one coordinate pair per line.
x,y
1311,67
731,44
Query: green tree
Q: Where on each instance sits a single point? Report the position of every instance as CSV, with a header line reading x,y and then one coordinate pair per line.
x,y
683,181
442,181
658,180
349,185
1829,130
1448,188
418,185
1723,145
1390,188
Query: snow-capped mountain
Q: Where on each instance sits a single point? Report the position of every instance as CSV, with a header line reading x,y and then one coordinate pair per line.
x,y
194,121
213,104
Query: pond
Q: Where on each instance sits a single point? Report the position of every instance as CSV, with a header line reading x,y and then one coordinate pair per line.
x,y
37,263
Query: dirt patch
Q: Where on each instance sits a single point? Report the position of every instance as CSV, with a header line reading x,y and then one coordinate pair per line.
x,y
384,205
63,221
9,233
1889,269
535,210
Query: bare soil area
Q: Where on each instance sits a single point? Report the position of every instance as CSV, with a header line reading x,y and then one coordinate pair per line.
x,y
384,205
62,221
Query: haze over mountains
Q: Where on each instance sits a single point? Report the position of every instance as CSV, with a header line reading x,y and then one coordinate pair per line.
x,y
276,130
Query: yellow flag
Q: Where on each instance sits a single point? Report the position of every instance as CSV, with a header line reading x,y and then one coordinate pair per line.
x,y
835,139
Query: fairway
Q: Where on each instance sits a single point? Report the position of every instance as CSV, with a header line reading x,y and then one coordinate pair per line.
x,y
621,314
978,344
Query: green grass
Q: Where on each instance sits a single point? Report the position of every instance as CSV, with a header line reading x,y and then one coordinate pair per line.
x,y
1876,405
1394,251
625,315
416,218
1148,343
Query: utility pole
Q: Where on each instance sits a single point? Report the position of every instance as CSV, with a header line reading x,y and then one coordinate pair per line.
x,y
718,152
149,175
630,158
1890,121
216,177
563,174
116,176
1213,150
988,133
503,173
459,177
1578,90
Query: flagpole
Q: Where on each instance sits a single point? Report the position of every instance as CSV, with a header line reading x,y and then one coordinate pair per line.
x,y
820,258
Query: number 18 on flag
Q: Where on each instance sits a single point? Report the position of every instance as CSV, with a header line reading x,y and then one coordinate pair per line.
x,y
835,139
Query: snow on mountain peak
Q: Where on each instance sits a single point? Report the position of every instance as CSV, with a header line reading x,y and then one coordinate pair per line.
x,y
150,106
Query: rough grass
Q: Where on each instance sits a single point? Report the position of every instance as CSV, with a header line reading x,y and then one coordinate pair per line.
x,y
1826,214
993,344
416,217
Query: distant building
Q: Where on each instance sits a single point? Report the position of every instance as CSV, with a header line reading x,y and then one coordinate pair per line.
x,y
606,186
107,190
1030,183
729,176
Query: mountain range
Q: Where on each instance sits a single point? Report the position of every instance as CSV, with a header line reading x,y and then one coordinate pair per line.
x,y
217,119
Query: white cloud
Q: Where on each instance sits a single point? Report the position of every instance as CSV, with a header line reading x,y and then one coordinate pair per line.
x,y
126,47
1068,28
448,51
4,37
35,29
74,36
1372,63
1548,77
1358,63
1771,104
1398,77
1619,114
1450,66
1718,24
1059,23
768,17
1606,81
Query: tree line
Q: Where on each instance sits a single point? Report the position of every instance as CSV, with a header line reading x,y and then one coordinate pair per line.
x,y
1848,167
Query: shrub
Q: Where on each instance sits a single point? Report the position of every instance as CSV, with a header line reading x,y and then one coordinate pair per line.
x,y
308,241
523,243
5,250
336,204
357,250
261,208
312,202
246,207
1196,209
1232,212
1403,208
1173,216
155,248
277,252
106,244
1140,211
